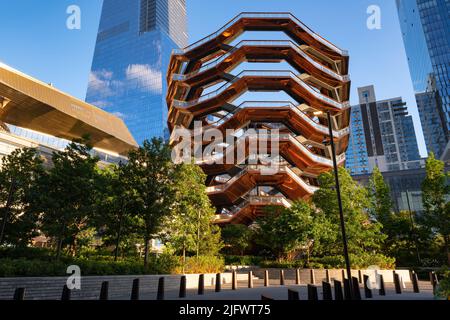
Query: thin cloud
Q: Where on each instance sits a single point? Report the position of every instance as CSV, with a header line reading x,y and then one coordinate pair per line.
x,y
102,84
144,77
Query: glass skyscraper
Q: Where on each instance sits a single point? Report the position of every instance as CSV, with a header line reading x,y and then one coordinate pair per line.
x,y
425,28
132,52
432,118
357,158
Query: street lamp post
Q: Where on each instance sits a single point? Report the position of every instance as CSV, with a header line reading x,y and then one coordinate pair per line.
x,y
341,213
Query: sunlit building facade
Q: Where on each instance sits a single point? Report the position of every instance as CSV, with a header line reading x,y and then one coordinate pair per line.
x,y
133,47
381,135
36,115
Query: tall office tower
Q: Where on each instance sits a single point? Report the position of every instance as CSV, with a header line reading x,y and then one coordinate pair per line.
x,y
425,27
431,117
132,52
271,151
381,135
357,158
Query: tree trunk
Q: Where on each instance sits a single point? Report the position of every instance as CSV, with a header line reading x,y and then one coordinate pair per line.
x,y
446,243
7,208
198,234
74,247
119,231
60,241
184,258
59,247
146,251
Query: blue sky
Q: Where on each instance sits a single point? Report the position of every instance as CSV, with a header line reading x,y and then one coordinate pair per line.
x,y
36,41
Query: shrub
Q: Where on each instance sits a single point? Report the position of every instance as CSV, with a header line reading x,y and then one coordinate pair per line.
x,y
443,289
163,264
28,262
283,264
243,260
360,261
328,262
365,260
202,264
27,253
316,265
27,268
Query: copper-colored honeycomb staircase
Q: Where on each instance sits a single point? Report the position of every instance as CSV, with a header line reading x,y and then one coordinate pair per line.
x,y
317,83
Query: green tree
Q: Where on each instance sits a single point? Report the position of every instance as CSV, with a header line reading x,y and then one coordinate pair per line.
x,y
380,197
149,174
285,232
236,238
363,233
397,227
403,238
67,194
114,215
435,190
18,174
189,228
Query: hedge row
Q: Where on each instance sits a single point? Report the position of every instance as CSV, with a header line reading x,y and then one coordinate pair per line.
x,y
164,264
335,262
329,262
243,260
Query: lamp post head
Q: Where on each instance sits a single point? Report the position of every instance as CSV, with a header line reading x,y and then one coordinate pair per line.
x,y
326,141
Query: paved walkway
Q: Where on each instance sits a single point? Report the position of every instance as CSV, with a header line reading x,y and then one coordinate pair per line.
x,y
278,292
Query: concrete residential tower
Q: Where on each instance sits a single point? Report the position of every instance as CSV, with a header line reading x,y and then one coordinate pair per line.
x,y
382,135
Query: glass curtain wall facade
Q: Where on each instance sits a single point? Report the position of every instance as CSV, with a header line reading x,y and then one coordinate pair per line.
x,y
431,113
133,47
405,187
408,150
357,159
425,27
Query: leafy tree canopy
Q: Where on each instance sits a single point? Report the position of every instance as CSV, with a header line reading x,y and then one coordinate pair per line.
x,y
18,174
